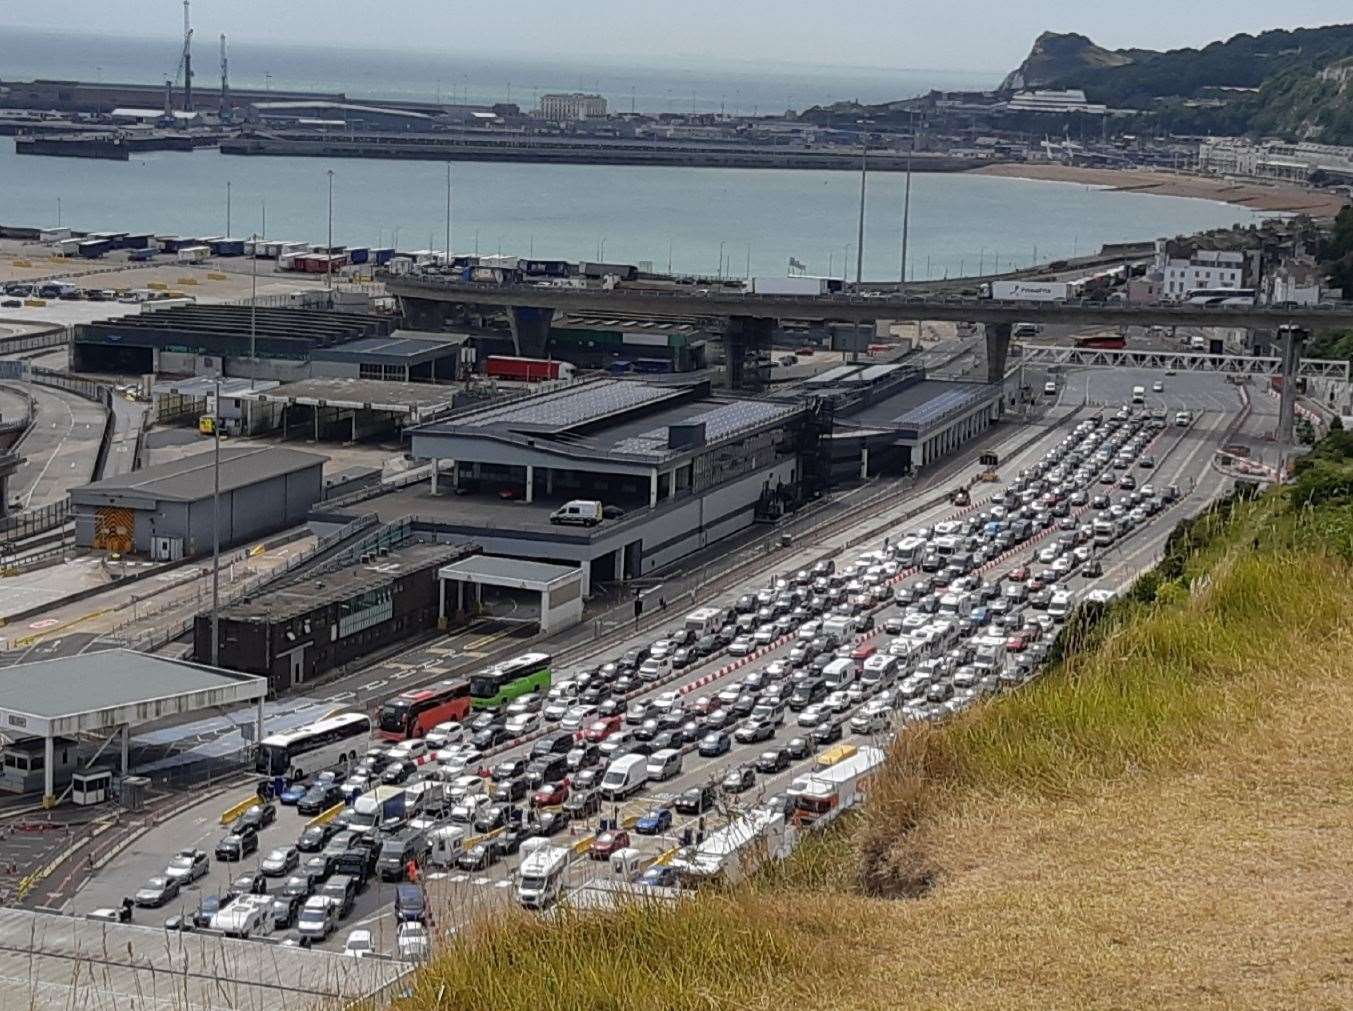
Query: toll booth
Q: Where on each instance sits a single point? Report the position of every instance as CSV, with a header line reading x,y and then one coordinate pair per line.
x,y
94,787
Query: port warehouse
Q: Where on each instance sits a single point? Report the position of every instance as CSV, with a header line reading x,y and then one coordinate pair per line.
x,y
180,339
371,597
167,511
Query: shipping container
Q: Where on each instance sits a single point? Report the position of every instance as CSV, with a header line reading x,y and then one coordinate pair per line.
x,y
382,255
1030,291
227,247
359,254
92,249
51,235
68,247
143,240
142,255
526,369
193,254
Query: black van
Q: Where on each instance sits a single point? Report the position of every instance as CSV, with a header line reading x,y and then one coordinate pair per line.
x,y
808,691
547,769
558,743
343,890
397,851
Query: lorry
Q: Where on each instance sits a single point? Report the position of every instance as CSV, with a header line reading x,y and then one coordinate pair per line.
x,y
540,878
788,286
382,809
193,254
1028,291
990,655
525,370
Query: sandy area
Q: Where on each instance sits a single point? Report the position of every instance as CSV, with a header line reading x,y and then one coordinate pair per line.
x,y
1256,196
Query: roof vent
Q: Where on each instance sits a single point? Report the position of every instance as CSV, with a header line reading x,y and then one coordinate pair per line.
x,y
688,436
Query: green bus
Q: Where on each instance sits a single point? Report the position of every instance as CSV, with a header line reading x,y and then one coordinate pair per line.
x,y
510,679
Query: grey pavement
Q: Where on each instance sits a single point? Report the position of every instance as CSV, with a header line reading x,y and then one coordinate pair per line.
x,y
60,448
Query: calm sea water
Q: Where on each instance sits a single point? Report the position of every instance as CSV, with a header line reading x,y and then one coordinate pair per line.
x,y
648,86
753,218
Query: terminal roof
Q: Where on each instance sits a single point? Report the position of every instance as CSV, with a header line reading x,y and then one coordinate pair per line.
x,y
191,478
89,691
498,571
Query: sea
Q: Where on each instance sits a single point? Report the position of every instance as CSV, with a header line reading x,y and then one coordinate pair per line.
x,y
708,221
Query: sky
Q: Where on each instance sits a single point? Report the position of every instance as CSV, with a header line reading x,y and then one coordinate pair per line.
x,y
949,35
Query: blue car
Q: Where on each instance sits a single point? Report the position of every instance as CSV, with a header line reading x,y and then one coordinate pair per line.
x,y
292,794
654,822
659,877
714,744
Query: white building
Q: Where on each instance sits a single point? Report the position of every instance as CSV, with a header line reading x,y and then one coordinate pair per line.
x,y
1297,281
1207,268
1054,102
572,108
1228,156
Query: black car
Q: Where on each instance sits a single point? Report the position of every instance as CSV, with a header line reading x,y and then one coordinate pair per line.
x,y
551,822
484,721
696,800
770,762
319,798
258,817
509,842
582,803
237,845
826,733
252,883
477,858
491,817
316,837
285,907
396,773
509,790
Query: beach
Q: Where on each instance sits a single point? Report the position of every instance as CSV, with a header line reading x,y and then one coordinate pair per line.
x,y
1277,197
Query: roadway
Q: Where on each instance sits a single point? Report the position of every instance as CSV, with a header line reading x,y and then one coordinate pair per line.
x,y
60,447
859,308
1183,458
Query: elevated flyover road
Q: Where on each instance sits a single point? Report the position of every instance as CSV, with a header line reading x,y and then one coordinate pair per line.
x,y
688,300
60,448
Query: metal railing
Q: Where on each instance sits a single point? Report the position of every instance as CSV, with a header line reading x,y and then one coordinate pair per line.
x,y
25,524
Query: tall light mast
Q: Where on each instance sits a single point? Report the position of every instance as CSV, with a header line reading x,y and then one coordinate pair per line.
x,y
187,60
225,82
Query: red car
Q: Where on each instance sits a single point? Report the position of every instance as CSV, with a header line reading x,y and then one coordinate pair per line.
x,y
551,794
607,843
598,730
805,351
1015,644
1034,585
1018,575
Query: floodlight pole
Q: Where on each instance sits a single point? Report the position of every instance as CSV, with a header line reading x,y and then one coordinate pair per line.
x,y
216,532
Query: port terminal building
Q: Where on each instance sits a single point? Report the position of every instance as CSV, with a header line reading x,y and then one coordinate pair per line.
x,y
675,467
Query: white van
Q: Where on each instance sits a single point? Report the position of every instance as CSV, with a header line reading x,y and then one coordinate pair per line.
x,y
1139,394
839,673
624,776
879,669
909,551
664,764
958,605
580,512
1062,603
840,626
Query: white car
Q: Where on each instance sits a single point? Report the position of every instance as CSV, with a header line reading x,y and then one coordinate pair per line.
x,y
413,748
358,944
578,717
556,709
666,701
520,726
445,735
812,716
837,702
1062,565
412,941
741,646
764,636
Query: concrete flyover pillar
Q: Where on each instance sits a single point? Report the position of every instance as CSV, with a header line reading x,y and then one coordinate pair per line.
x,y
998,350
1292,339
530,329
530,484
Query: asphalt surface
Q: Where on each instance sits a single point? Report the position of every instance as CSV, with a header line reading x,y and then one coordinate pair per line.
x,y
1183,458
60,447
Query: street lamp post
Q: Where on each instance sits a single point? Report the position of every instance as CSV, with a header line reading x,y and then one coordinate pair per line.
x,y
329,260
216,531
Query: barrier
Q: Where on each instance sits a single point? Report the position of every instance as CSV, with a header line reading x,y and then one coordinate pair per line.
x,y
213,275
583,845
322,818
231,813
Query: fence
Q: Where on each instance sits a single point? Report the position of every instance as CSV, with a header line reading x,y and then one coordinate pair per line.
x,y
34,521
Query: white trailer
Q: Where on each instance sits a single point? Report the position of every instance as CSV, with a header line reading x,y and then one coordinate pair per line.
x,y
194,254
1030,291
733,852
990,654
823,794
789,286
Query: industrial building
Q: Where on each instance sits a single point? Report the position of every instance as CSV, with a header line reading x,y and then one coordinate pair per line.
x,y
295,632
405,356
646,345
676,468
195,339
166,512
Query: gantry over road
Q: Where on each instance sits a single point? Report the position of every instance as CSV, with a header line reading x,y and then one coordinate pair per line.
x,y
752,317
